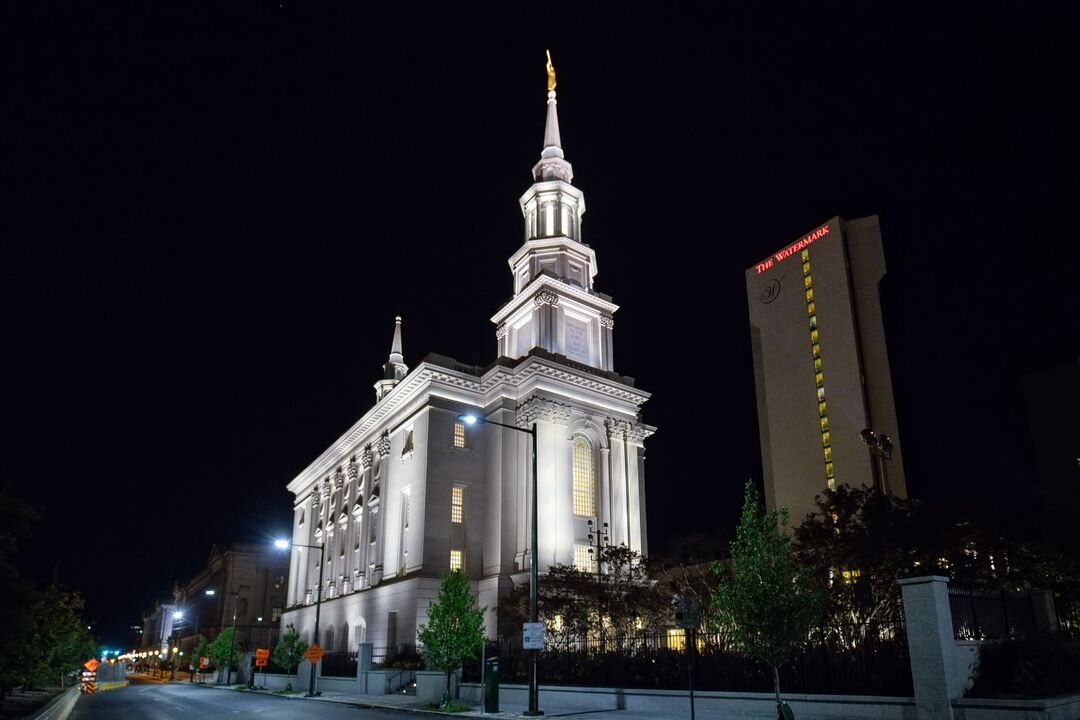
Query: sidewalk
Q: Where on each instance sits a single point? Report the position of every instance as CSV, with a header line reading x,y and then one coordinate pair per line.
x,y
409,703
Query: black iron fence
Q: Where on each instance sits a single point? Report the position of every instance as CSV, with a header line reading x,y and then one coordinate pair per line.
x,y
991,615
870,659
339,664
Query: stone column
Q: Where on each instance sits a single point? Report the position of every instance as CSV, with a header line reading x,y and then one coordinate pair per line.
x,y
607,325
931,646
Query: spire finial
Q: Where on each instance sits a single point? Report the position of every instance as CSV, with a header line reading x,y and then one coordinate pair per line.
x,y
550,73
395,345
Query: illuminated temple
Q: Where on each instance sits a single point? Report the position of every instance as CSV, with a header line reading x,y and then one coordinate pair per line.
x,y
410,491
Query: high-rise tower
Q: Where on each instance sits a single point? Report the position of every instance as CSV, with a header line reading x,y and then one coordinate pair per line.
x,y
824,393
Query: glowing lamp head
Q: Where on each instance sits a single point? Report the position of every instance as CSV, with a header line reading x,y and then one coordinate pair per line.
x,y
178,615
467,419
211,592
282,544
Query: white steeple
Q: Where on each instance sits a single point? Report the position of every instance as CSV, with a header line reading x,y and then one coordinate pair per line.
x,y
395,368
554,306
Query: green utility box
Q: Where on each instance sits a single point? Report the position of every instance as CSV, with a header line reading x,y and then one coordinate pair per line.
x,y
491,685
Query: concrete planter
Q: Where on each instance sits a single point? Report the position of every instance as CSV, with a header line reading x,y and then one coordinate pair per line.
x,y
430,685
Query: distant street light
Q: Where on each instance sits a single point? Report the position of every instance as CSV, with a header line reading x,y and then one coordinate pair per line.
x,y
232,638
534,683
282,544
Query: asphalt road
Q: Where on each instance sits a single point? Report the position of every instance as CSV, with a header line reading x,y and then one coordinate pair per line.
x,y
175,701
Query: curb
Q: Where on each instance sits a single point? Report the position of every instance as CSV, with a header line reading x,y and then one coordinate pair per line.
x,y
60,706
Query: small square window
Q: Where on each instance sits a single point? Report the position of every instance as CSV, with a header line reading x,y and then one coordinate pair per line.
x,y
806,268
816,350
457,560
817,364
826,438
828,470
805,255
824,422
814,336
821,394
808,282
810,295
821,409
828,454
459,434
819,379
813,322
811,308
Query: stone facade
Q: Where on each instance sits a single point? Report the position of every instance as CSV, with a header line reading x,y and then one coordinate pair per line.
x,y
410,490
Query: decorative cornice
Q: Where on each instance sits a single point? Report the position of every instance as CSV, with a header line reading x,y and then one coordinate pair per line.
x,y
366,458
628,431
383,445
498,381
560,287
559,241
546,297
538,408
326,490
339,479
607,321
352,470
500,332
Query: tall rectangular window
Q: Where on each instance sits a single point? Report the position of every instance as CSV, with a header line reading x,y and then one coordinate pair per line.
x,y
457,504
584,480
457,560
459,434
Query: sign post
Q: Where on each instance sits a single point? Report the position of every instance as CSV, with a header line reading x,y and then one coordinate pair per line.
x,y
532,636
262,657
688,617
88,681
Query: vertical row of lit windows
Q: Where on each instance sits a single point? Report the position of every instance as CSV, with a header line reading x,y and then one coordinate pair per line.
x,y
457,504
459,434
819,375
457,560
584,478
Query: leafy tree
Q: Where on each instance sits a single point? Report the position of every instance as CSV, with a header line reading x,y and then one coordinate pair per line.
x,y
290,649
766,598
864,542
623,599
200,649
454,631
219,651
42,633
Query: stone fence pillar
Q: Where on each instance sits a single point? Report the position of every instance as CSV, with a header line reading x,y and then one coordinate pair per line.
x,y
931,646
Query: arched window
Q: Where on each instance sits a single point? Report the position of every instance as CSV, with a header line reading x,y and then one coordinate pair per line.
x,y
584,477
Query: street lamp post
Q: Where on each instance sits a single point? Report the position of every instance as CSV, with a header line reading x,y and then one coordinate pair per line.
x,y
881,447
534,683
285,544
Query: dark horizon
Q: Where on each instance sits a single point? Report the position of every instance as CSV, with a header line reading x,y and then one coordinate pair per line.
x,y
219,213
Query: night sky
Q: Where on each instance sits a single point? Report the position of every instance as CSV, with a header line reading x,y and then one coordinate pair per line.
x,y
214,214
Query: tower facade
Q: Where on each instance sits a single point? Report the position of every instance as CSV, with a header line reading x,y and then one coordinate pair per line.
x,y
821,369
410,491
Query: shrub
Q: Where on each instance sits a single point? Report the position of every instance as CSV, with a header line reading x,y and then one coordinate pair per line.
x,y
1029,668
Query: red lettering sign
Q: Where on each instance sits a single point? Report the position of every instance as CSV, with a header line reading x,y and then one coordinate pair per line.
x,y
792,249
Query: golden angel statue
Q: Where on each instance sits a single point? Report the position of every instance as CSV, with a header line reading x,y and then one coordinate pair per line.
x,y
550,72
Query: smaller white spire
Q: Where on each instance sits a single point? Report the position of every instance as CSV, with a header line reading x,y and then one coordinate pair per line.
x,y
395,368
395,345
